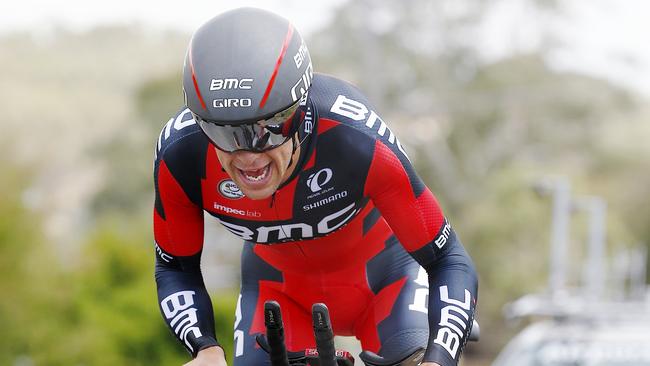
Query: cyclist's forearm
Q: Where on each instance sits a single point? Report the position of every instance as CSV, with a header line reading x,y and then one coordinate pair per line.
x,y
453,288
184,301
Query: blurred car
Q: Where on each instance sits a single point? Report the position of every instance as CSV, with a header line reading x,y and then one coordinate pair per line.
x,y
601,342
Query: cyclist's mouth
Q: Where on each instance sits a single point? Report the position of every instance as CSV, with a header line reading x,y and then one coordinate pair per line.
x,y
255,177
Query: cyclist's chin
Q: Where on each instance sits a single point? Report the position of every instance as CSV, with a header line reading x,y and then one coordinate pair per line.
x,y
258,193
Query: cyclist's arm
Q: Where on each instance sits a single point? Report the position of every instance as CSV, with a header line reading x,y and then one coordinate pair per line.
x,y
415,217
184,301
182,296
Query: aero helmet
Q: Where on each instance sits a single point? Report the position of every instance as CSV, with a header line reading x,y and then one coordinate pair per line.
x,y
245,74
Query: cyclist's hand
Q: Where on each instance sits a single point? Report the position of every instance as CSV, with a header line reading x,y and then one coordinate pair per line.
x,y
429,364
212,356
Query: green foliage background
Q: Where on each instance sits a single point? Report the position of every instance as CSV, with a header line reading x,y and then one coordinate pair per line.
x,y
100,312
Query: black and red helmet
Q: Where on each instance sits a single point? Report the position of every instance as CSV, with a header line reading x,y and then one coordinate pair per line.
x,y
243,66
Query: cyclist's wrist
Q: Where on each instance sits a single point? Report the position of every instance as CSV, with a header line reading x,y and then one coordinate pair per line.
x,y
211,351
204,343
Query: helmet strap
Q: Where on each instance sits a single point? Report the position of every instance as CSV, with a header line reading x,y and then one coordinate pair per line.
x,y
294,146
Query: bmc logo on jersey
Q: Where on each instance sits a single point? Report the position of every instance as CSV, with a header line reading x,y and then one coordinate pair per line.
x,y
455,320
357,111
229,189
182,315
317,180
292,231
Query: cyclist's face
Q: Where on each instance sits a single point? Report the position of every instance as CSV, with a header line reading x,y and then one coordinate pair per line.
x,y
258,175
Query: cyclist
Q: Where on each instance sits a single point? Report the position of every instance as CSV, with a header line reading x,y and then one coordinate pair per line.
x,y
304,170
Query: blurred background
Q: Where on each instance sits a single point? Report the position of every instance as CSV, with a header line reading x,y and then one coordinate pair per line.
x,y
529,119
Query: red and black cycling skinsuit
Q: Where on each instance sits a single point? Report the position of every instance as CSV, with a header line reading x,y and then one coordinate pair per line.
x,y
354,227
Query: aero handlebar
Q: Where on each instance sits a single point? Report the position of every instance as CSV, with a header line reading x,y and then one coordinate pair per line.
x,y
325,353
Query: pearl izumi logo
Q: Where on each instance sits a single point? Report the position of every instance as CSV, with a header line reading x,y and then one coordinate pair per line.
x,y
317,180
229,189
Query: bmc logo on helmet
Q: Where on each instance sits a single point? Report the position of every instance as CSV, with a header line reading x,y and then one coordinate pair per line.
x,y
232,102
317,180
231,83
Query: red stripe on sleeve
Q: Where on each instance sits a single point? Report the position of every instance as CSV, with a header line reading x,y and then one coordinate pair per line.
x,y
415,221
181,231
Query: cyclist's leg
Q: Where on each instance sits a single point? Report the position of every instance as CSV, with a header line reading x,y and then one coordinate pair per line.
x,y
262,282
396,320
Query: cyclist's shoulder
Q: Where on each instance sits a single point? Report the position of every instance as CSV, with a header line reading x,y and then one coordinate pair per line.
x,y
340,103
180,136
327,89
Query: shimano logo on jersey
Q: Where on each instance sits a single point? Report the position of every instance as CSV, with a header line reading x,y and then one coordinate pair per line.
x,y
325,201
454,321
229,189
178,309
294,231
317,180
231,83
232,103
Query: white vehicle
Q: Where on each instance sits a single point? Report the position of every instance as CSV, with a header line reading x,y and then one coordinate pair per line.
x,y
580,343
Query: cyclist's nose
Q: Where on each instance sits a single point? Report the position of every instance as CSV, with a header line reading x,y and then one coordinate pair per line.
x,y
249,159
